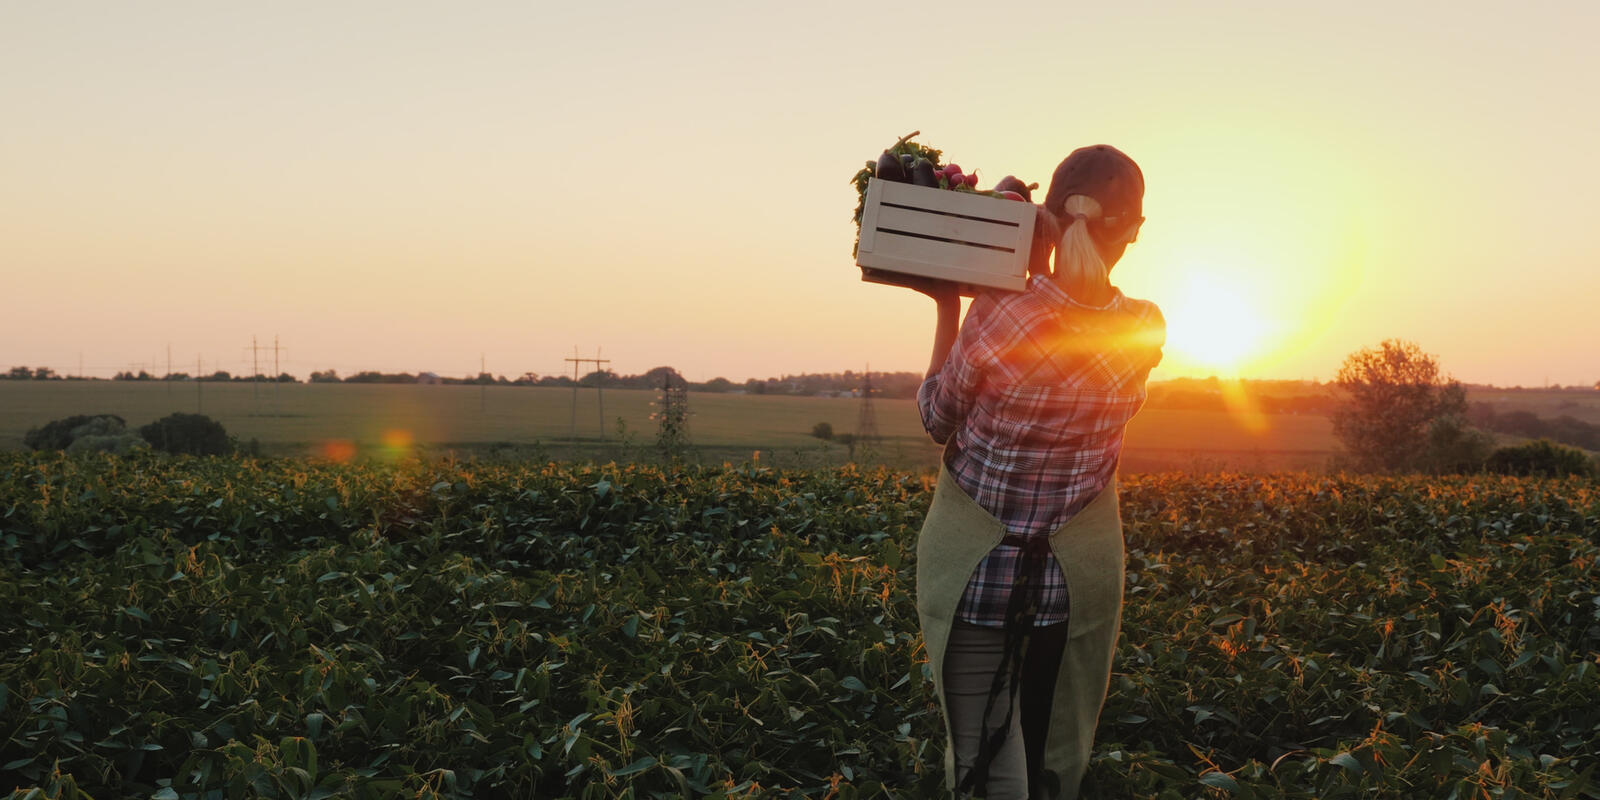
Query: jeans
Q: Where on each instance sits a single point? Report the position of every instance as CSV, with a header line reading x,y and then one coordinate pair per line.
x,y
971,660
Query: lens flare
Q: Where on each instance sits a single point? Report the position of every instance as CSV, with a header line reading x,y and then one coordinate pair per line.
x,y
397,443
1242,406
339,450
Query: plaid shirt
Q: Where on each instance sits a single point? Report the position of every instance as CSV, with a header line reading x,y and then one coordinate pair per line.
x,y
1031,405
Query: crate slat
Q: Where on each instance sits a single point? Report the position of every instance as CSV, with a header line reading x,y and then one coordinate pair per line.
x,y
970,239
946,226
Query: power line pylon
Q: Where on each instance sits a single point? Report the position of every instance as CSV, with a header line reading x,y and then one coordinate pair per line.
x,y
867,422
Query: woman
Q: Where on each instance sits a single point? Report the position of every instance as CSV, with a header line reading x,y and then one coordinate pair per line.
x,y
1019,563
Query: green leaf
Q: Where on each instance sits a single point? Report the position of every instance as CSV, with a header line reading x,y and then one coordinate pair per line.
x,y
630,628
165,793
853,683
1347,761
638,766
1220,780
137,613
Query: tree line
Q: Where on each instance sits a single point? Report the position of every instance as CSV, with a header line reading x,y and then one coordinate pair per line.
x,y
1400,413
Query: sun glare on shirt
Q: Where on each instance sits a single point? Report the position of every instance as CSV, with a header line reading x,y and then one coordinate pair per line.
x,y
1212,326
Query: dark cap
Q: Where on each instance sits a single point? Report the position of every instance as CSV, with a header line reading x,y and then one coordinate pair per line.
x,y
1102,172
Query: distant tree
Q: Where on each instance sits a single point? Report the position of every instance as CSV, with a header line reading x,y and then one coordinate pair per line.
x,y
286,378
1394,392
600,377
175,376
660,376
823,431
192,434
19,374
370,376
1454,447
60,434
325,376
718,384
1542,458
45,374
219,375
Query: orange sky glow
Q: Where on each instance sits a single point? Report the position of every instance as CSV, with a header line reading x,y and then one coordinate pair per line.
x,y
408,187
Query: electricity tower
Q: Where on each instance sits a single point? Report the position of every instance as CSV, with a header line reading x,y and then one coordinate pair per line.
x,y
867,422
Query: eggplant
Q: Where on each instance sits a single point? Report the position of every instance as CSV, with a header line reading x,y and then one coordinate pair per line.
x,y
923,174
889,168
1012,183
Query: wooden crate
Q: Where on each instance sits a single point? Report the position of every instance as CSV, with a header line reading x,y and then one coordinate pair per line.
x,y
972,240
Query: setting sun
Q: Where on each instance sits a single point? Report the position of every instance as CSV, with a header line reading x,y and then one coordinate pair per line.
x,y
1213,325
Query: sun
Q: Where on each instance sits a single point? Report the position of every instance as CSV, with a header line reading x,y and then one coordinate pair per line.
x,y
1213,325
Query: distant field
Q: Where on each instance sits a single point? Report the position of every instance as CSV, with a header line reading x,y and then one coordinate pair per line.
x,y
301,418
1584,405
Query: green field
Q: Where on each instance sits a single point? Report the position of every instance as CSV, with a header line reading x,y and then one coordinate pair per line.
x,y
302,418
189,629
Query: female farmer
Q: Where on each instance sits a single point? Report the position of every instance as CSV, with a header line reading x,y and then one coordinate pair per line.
x,y
1020,562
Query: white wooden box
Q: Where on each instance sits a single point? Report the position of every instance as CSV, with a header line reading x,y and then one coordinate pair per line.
x,y
972,240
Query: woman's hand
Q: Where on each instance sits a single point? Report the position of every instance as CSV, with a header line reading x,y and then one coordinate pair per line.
x,y
942,292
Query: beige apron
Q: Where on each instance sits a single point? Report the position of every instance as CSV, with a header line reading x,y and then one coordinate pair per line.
x,y
956,535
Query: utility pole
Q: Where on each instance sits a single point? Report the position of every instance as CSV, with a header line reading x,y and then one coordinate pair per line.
x,y
596,361
199,387
255,374
276,409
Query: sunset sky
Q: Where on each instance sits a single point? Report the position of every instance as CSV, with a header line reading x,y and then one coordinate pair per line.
x,y
406,186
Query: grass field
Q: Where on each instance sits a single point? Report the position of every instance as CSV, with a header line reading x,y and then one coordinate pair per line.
x,y
302,418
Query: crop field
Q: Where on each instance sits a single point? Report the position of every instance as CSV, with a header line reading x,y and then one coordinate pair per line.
x,y
1584,405
525,421
208,628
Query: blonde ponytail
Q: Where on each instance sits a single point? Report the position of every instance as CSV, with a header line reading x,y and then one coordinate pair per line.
x,y
1078,261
